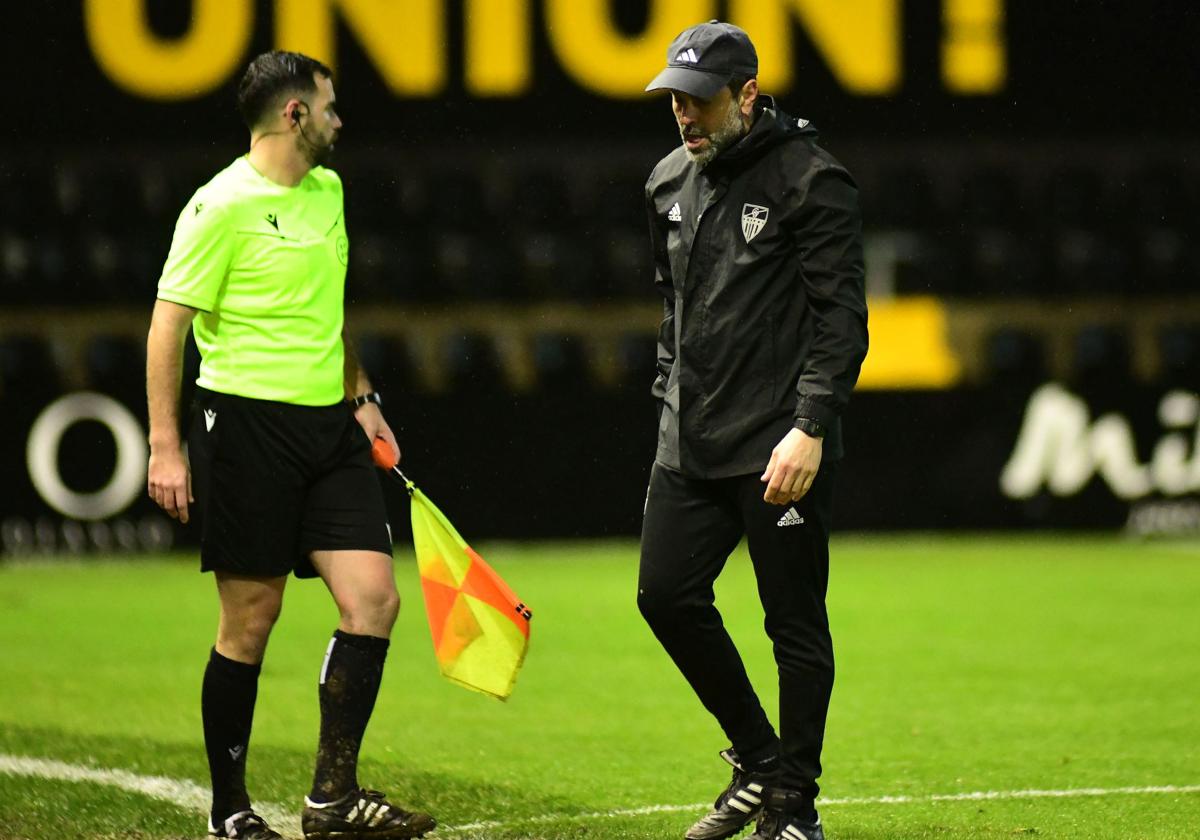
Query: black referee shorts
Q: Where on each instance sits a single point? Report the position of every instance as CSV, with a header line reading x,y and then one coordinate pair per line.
x,y
274,482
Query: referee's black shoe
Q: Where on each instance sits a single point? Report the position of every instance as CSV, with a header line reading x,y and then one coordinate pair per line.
x,y
788,815
362,815
739,803
244,825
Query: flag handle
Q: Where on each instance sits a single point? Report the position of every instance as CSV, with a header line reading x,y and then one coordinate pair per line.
x,y
381,454
408,484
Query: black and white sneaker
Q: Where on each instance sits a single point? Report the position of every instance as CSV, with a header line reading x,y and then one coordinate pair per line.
x,y
362,815
788,816
244,825
739,803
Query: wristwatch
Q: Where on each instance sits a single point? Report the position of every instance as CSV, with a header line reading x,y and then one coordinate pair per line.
x,y
809,426
369,397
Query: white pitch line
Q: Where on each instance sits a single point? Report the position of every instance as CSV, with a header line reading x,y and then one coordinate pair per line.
x,y
181,792
195,797
973,796
981,795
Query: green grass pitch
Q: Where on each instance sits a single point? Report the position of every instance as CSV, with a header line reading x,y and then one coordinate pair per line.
x,y
995,665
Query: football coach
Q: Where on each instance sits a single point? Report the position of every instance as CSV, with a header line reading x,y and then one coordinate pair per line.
x,y
757,246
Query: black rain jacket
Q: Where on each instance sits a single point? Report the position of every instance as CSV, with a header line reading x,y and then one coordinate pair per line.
x,y
758,257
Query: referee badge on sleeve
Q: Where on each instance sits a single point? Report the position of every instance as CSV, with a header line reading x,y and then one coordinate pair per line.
x,y
754,217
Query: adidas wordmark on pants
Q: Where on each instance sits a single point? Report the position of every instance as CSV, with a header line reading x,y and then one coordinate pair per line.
x,y
790,518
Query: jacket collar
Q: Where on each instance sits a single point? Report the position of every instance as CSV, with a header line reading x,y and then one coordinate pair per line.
x,y
770,127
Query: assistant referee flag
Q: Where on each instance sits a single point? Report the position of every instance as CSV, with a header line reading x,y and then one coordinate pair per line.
x,y
480,628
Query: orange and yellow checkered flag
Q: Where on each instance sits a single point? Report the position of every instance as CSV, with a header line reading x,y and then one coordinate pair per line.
x,y
480,628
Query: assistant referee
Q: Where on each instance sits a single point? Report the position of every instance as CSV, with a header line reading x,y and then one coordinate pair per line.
x,y
277,470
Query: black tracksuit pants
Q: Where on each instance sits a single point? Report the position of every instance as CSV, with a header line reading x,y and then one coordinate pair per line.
x,y
691,526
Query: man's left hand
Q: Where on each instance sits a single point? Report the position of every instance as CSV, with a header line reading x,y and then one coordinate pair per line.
x,y
371,419
792,468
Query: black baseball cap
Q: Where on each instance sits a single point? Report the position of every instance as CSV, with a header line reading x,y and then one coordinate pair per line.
x,y
703,59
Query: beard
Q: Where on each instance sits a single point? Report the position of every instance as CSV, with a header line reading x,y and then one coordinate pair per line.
x,y
721,138
316,153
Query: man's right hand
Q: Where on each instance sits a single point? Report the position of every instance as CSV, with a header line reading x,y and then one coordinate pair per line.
x,y
169,481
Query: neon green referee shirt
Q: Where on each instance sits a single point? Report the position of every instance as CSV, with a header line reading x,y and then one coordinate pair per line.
x,y
266,266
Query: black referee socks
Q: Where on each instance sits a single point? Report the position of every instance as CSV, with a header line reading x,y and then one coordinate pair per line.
x,y
227,707
349,685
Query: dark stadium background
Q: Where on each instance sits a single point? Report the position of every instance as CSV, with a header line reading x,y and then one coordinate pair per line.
x,y
499,283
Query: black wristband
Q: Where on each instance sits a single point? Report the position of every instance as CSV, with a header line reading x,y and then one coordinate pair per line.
x,y
809,427
369,397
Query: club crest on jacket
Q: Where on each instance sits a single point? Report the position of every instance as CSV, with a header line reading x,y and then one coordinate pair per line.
x,y
754,217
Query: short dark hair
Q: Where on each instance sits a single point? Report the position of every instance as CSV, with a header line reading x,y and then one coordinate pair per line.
x,y
272,75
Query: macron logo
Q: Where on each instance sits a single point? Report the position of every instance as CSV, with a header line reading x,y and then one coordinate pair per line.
x,y
688,56
210,419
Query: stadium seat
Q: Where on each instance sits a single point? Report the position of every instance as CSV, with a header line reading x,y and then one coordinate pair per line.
x,y
555,266
1179,353
1163,195
1076,197
388,267
143,261
992,197
1088,262
27,369
619,198
17,270
1002,263
55,267
471,365
28,199
561,363
389,363
468,265
1166,260
904,197
540,200
107,268
925,263
460,201
626,266
373,200
1101,362
102,263
161,206
1016,359
116,365
110,198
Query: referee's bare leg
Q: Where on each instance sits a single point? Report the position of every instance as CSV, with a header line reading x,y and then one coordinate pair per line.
x,y
249,609
363,584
